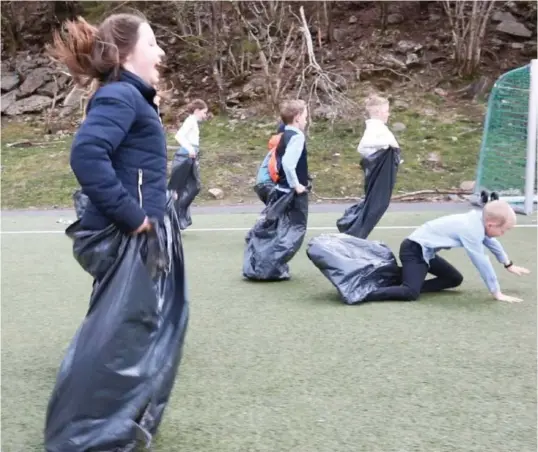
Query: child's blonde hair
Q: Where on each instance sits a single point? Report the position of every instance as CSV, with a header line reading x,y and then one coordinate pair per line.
x,y
289,109
375,104
500,213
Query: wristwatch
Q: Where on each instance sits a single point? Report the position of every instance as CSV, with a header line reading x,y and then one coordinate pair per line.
x,y
510,263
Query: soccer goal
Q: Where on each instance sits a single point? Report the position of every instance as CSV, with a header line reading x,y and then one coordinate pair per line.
x,y
507,162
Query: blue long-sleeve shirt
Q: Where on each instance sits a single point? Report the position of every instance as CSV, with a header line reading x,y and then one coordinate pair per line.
x,y
462,230
294,150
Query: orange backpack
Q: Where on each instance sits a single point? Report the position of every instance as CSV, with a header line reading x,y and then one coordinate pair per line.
x,y
272,166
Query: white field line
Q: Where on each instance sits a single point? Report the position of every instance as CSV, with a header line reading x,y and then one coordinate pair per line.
x,y
312,228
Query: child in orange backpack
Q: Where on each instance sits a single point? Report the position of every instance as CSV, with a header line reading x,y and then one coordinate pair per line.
x,y
268,172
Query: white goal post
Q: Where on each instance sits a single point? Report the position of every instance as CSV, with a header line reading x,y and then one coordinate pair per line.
x,y
507,162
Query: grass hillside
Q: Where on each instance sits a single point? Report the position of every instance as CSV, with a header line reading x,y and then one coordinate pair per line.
x,y
440,146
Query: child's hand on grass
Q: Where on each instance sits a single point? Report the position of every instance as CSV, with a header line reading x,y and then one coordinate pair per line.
x,y
192,154
507,298
518,270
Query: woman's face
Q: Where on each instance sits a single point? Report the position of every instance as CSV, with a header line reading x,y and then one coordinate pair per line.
x,y
146,56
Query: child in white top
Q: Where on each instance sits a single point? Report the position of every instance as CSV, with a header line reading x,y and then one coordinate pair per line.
x,y
188,136
380,160
377,135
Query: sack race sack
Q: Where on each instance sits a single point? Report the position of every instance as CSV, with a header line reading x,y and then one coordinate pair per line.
x,y
264,191
80,201
276,237
380,170
119,369
356,267
185,181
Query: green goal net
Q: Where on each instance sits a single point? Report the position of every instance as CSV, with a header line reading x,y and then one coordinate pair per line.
x,y
508,152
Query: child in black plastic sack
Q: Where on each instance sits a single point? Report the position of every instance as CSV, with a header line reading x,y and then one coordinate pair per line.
x,y
377,135
186,161
291,150
278,234
380,159
188,135
157,102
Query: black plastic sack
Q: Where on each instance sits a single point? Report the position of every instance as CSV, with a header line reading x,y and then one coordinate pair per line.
x,y
276,237
80,201
118,372
380,171
356,267
264,191
185,180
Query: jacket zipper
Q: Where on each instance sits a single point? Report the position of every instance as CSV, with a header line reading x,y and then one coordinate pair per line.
x,y
140,178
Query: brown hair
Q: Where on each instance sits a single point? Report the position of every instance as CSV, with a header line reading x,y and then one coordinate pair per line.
x,y
196,104
95,52
290,109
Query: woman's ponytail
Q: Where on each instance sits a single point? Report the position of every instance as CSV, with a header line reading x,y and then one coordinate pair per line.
x,y
74,47
92,53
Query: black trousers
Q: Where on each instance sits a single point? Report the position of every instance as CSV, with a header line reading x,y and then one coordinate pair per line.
x,y
414,272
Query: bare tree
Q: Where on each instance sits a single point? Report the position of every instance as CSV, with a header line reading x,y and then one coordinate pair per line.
x,y
269,38
328,16
274,35
383,14
202,28
216,51
468,20
318,84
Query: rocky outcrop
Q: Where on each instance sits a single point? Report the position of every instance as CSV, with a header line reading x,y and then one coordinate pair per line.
x,y
413,48
510,26
31,84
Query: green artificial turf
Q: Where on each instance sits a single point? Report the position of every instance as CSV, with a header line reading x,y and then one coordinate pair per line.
x,y
286,366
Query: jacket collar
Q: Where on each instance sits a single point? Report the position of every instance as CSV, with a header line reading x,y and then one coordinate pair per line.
x,y
146,90
294,129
